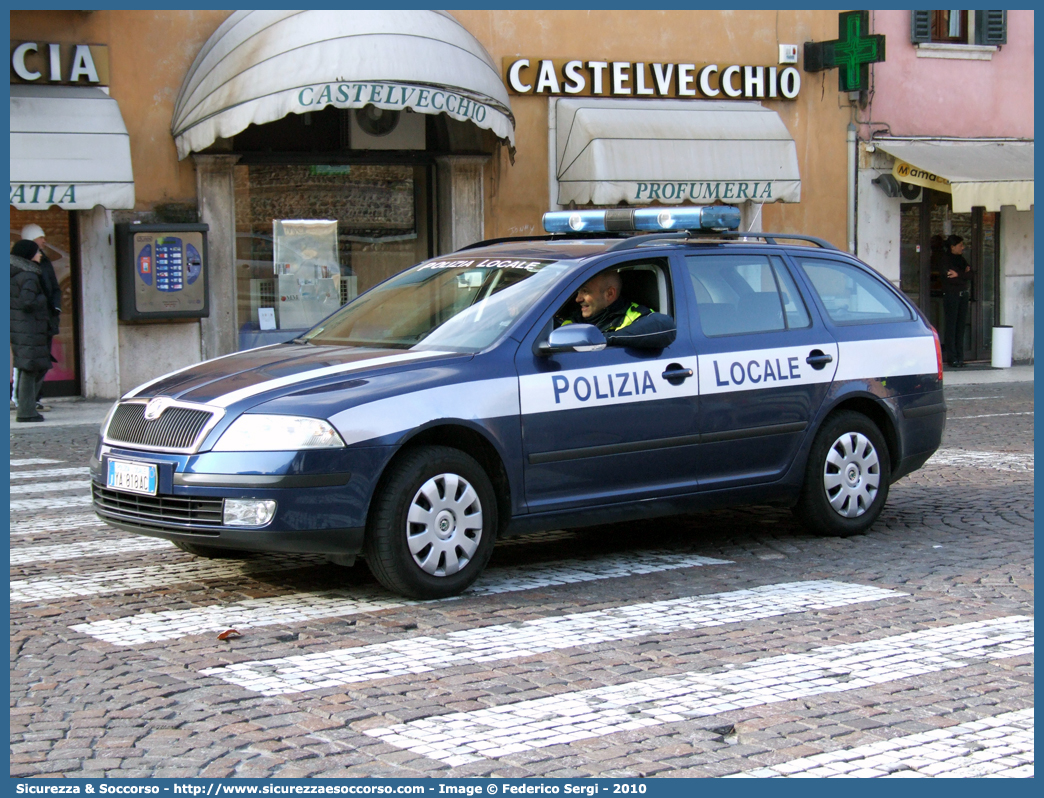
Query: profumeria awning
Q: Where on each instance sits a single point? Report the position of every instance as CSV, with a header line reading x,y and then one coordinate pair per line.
x,y
673,151
259,66
70,148
986,173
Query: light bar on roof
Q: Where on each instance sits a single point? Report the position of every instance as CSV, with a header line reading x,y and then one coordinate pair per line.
x,y
652,220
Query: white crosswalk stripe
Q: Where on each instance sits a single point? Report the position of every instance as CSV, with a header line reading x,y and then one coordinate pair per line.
x,y
997,746
148,577
153,627
54,503
93,548
51,473
509,579
461,737
516,640
33,461
59,524
996,461
51,487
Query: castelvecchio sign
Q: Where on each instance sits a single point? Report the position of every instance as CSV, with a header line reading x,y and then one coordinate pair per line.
x,y
573,77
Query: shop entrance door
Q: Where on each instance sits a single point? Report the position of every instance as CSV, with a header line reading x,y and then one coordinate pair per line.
x,y
927,222
60,247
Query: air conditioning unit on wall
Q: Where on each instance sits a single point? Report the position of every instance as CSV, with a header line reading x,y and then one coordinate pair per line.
x,y
373,128
910,192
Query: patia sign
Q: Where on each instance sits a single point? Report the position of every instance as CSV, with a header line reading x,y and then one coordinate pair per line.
x,y
908,173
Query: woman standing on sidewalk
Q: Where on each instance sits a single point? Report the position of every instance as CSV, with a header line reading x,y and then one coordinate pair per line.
x,y
30,316
956,278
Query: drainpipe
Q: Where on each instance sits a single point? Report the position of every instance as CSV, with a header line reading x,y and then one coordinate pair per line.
x,y
552,160
853,177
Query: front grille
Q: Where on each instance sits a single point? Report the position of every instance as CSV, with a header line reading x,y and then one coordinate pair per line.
x,y
161,512
176,428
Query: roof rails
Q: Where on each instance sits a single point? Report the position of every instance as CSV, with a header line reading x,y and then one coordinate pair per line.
x,y
696,237
546,237
634,241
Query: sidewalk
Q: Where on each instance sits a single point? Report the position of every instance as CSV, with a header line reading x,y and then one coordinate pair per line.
x,y
67,412
975,374
74,411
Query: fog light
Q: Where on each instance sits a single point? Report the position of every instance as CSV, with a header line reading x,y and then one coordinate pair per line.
x,y
248,512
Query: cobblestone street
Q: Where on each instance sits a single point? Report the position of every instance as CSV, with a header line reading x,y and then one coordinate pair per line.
x,y
726,643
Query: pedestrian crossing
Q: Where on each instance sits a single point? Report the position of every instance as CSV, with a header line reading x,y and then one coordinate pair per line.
x,y
50,487
62,523
999,746
460,738
487,644
206,597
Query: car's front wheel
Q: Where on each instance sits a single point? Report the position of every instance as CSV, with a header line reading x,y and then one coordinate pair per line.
x,y
433,525
847,477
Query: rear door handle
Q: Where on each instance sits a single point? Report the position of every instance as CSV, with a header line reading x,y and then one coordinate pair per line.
x,y
676,374
817,359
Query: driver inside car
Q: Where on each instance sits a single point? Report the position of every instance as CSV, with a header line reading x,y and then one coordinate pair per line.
x,y
600,302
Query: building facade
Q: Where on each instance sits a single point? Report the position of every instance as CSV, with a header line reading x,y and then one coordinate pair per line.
x,y
327,150
946,147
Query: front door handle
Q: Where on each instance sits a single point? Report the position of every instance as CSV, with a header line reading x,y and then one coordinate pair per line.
x,y
676,374
817,359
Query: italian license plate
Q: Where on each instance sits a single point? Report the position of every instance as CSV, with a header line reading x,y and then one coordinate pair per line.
x,y
132,477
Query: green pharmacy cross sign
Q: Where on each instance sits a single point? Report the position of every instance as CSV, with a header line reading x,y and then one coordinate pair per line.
x,y
851,53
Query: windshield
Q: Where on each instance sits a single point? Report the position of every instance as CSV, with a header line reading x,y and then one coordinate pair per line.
x,y
457,304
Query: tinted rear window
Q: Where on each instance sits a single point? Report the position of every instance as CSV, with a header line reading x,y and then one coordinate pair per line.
x,y
851,295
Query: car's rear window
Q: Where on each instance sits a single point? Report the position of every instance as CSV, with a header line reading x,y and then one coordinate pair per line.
x,y
851,295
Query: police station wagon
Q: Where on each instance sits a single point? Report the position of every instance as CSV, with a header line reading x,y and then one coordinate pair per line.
x,y
452,405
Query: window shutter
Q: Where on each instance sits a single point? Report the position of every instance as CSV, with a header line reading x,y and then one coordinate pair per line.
x,y
920,26
991,27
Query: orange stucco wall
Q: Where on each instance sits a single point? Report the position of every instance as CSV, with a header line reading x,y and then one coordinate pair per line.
x,y
146,79
817,119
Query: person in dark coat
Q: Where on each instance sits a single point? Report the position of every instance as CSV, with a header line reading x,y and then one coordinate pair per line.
x,y
30,319
956,279
33,232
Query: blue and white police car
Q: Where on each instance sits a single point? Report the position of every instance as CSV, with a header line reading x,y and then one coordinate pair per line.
x,y
449,406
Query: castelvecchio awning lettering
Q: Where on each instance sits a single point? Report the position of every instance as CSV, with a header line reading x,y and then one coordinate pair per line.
x,y
393,96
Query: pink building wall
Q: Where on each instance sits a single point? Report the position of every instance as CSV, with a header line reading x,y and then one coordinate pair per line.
x,y
950,97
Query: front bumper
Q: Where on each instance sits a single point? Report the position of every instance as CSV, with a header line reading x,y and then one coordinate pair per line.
x,y
321,498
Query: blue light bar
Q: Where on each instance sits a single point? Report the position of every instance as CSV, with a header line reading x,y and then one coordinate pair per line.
x,y
630,220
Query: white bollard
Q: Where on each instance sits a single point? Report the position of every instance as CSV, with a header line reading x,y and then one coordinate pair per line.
x,y
1002,344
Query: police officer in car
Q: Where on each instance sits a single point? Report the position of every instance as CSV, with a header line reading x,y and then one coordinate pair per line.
x,y
624,323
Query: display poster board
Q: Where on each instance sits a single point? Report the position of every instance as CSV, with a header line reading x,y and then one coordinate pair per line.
x,y
307,269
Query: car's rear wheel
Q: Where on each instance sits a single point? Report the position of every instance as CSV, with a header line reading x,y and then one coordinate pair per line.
x,y
846,481
213,552
432,528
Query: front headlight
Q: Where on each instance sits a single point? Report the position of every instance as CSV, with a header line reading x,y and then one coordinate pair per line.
x,y
257,433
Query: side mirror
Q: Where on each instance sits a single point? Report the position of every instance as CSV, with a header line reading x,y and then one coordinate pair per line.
x,y
573,338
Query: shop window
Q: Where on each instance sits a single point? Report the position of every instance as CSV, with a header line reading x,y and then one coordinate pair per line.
x,y
958,28
58,225
311,237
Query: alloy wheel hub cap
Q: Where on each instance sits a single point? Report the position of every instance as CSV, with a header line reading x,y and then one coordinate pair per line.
x,y
445,524
852,475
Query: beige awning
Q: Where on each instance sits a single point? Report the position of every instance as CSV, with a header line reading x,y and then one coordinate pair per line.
x,y
70,148
987,173
259,66
673,151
